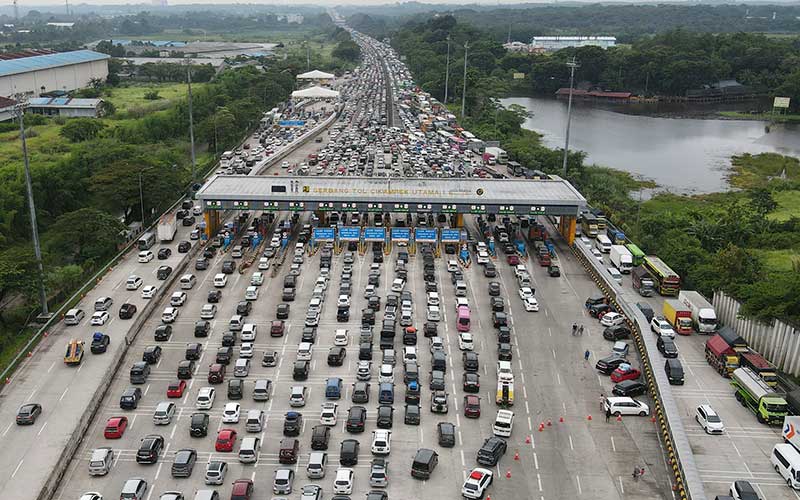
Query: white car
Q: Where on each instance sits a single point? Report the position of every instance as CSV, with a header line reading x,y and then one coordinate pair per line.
x,y
465,341
462,302
230,415
597,254
328,414
149,291
305,351
145,256
251,293
99,318
169,315
249,332
263,263
531,304
209,311
134,282
386,374
436,344
452,266
205,398
257,279
177,299
477,482
343,484
341,337
483,257
709,420
315,305
381,442
220,280
612,319
626,406
525,292
659,326
343,301
369,291
433,313
246,350
433,299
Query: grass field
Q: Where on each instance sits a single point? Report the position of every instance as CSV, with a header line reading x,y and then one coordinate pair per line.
x,y
751,171
778,118
780,261
788,205
45,146
131,98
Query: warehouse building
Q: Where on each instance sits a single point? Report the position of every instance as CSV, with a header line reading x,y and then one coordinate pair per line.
x,y
60,72
553,43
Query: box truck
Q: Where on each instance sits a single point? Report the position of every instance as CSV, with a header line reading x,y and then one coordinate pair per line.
x,y
721,356
167,227
622,258
703,315
679,316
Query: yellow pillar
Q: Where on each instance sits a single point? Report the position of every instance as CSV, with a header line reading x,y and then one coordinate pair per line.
x,y
212,222
567,228
459,220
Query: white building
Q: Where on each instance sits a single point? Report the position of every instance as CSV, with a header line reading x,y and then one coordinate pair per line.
x,y
66,106
553,43
517,47
64,71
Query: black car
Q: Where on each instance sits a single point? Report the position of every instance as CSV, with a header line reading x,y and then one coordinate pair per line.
x,y
229,339
609,364
356,418
282,311
494,289
163,333
28,413
151,354
309,334
430,329
504,351
130,398
214,296
504,334
184,246
336,356
471,382
629,388
201,264
127,310
320,435
456,276
490,271
100,343
553,270
163,272
228,266
437,380
499,319
498,305
616,332
348,452
412,416
198,426
164,253
470,360
666,346
492,450
235,388
385,417
185,369
224,355
292,423
343,314
202,328
430,286
150,449
193,351
188,221
447,434
244,307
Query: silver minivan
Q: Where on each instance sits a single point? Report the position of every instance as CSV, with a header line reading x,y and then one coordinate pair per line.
x,y
101,461
74,317
615,275
261,390
242,367
164,413
298,397
255,421
461,289
317,462
188,281
248,452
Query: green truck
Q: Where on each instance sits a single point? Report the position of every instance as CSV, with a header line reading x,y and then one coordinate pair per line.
x,y
754,393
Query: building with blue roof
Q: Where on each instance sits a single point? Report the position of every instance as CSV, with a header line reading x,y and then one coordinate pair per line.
x,y
63,71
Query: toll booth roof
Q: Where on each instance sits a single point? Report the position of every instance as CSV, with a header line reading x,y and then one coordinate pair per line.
x,y
554,191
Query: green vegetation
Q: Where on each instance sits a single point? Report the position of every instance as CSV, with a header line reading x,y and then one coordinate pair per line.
x,y
751,171
788,205
766,117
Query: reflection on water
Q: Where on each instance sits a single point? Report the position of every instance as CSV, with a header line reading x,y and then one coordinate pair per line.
x,y
680,154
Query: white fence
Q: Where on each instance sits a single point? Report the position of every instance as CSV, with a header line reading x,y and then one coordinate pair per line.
x,y
778,342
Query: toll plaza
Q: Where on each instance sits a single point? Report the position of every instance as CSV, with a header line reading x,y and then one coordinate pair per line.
x,y
370,195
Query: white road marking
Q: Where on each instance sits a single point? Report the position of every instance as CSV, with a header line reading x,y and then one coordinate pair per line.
x,y
148,388
554,354
51,367
63,394
524,392
535,460
522,376
571,445
527,408
613,445
17,469
621,487
7,429
463,463
42,429
539,480
578,480
158,471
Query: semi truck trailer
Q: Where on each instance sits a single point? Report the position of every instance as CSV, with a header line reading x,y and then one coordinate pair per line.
x,y
753,393
703,315
643,282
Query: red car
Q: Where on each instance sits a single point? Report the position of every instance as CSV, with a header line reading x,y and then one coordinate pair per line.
x,y
226,438
276,328
115,427
472,406
242,489
513,259
625,372
175,389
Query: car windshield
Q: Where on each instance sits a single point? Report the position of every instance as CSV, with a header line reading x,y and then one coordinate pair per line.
x,y
713,418
471,486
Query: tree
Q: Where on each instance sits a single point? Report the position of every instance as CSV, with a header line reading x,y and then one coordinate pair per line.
x,y
762,202
17,270
81,129
86,234
65,278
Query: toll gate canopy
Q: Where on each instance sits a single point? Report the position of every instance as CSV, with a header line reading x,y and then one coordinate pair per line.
x,y
553,196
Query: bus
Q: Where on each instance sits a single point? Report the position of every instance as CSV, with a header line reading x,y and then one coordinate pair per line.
x,y
463,321
589,225
636,252
147,240
668,282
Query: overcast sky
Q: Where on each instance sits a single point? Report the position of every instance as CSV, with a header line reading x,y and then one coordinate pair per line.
x,y
286,3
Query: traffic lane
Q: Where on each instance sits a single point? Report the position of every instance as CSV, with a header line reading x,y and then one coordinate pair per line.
x,y
44,379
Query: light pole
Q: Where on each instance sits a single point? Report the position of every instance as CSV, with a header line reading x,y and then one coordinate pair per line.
x,y
447,72
464,90
191,127
37,249
141,192
572,64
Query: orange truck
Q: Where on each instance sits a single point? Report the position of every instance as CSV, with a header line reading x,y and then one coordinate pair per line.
x,y
679,316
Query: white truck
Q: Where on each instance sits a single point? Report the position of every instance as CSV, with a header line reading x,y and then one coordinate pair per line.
x,y
167,227
500,155
791,431
622,258
703,315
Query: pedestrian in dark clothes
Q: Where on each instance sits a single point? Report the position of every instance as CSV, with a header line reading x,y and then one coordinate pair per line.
x,y
608,414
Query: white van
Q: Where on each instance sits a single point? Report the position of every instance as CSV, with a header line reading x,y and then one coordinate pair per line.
x,y
188,281
461,289
398,284
249,450
220,280
164,413
602,243
101,461
255,421
74,317
236,253
786,461
503,423
615,275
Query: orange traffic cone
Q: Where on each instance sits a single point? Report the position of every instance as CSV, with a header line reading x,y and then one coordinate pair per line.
x,y
561,419
508,474
589,417
541,427
8,380
528,439
516,456
619,418
30,354
653,418
549,423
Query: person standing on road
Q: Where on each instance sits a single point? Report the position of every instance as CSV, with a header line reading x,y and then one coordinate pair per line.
x,y
574,329
608,414
586,355
636,473
602,401
580,330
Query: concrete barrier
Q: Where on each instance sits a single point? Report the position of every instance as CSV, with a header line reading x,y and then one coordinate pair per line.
x,y
687,483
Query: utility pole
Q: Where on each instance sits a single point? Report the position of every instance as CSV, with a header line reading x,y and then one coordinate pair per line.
x,y
191,126
464,90
37,249
447,72
141,196
571,64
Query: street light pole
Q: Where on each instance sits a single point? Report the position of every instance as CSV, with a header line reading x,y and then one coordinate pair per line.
x,y
464,90
447,72
191,126
37,249
141,196
572,64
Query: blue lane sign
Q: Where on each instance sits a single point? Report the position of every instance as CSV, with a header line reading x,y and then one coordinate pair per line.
x,y
349,233
291,123
451,235
323,233
374,233
401,233
427,235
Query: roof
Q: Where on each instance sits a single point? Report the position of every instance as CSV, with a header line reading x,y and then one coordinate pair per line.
x,y
5,102
315,74
63,102
35,63
315,92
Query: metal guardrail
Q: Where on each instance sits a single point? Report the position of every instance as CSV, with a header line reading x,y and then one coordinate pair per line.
x,y
687,482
